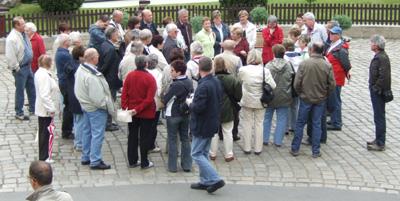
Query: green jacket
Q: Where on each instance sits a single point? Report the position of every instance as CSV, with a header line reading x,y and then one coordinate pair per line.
x,y
282,73
233,87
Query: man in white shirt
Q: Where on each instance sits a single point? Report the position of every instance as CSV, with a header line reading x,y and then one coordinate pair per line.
x,y
315,31
116,21
249,28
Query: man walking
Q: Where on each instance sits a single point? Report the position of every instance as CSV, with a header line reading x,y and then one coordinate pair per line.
x,y
93,93
313,83
19,58
379,83
204,122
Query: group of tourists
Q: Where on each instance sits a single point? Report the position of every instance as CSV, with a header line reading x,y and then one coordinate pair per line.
x,y
208,85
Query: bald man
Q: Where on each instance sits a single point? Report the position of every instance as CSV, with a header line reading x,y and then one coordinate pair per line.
x,y
147,22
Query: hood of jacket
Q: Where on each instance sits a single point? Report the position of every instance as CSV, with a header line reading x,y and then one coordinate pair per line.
x,y
277,65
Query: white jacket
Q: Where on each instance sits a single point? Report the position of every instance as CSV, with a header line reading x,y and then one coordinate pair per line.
x,y
251,33
47,93
251,77
162,62
14,49
158,76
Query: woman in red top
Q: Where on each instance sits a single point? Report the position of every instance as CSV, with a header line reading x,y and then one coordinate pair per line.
x,y
138,96
38,47
272,35
242,46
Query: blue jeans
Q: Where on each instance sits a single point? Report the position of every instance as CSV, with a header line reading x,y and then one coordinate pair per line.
x,y
93,136
293,110
179,125
200,150
24,80
316,111
281,121
335,107
79,124
378,105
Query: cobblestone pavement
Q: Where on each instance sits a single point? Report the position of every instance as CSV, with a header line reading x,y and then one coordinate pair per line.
x,y
345,162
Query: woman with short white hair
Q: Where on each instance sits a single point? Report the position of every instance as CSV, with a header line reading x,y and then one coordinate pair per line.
x,y
38,47
252,112
76,40
192,71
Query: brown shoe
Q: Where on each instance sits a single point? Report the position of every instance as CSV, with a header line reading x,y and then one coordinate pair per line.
x,y
213,158
229,159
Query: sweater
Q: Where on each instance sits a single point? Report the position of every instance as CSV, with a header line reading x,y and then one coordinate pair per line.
x,y
207,40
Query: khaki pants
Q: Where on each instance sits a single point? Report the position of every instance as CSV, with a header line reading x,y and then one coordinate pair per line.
x,y
228,140
252,118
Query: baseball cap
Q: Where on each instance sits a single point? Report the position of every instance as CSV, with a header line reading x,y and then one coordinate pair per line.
x,y
336,30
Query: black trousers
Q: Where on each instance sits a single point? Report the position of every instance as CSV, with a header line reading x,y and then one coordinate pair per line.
x,y
44,135
153,137
139,132
68,118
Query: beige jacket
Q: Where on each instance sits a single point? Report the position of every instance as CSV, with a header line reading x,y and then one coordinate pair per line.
x,y
47,193
14,49
252,79
232,62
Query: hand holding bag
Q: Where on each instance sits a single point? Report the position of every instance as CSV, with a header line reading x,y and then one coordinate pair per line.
x,y
124,115
267,92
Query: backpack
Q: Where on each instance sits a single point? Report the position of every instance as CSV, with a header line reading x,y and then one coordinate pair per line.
x,y
183,107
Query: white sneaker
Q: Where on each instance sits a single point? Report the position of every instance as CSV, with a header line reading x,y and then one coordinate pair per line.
x,y
155,150
49,161
151,164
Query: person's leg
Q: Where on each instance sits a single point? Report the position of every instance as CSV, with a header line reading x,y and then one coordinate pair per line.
x,y
235,130
335,108
200,150
316,112
44,135
228,140
86,137
324,133
281,121
302,118
98,121
269,112
378,106
67,121
20,81
294,109
214,145
154,131
30,90
246,120
172,132
133,141
186,158
258,129
78,124
145,140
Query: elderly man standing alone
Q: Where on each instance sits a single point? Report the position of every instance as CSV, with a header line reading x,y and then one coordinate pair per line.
x,y
204,122
379,84
19,58
93,93
313,83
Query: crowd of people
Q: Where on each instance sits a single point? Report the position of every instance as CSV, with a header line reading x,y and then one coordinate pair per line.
x,y
208,85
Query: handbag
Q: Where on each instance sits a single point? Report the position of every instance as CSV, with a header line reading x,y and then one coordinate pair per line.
x,y
387,95
294,93
124,115
267,92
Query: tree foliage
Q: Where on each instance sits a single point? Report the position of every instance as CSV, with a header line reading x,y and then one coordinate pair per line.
x,y
259,14
197,23
242,2
60,5
344,21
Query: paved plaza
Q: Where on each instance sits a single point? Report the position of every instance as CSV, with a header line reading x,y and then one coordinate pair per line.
x,y
345,163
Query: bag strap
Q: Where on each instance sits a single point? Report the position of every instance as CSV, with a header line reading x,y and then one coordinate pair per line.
x,y
228,94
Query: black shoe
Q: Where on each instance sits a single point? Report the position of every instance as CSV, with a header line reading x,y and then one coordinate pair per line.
x,y
198,186
112,128
187,170
216,186
316,155
22,117
294,153
236,138
329,123
137,164
85,162
247,152
375,147
333,128
67,136
371,142
101,166
257,153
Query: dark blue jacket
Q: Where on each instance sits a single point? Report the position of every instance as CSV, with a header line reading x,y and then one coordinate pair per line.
x,y
108,64
96,36
152,28
206,107
74,105
180,89
63,60
226,34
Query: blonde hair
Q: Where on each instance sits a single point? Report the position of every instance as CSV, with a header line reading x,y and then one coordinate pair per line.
x,y
237,29
219,65
44,61
243,12
254,57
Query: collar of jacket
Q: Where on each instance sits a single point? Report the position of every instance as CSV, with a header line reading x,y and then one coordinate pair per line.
x,y
94,72
317,56
379,53
337,48
40,190
207,77
222,73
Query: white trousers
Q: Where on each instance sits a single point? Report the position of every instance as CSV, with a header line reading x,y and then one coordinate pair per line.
x,y
252,118
228,140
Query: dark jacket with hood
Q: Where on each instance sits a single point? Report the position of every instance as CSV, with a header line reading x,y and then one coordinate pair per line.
x,y
282,72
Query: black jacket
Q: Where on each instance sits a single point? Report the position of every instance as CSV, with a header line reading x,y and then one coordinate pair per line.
x,y
108,64
167,49
379,72
186,33
226,34
152,28
74,105
206,107
177,93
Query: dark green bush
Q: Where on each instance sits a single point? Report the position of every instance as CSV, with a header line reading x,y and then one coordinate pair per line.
x,y
60,5
26,1
344,21
242,2
259,14
197,23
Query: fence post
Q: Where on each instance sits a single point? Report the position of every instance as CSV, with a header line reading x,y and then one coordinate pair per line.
x,y
3,11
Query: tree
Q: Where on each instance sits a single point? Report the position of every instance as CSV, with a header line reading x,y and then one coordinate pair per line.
x,y
60,5
259,14
344,21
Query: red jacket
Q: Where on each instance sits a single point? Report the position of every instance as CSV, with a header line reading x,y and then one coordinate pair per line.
x,y
242,45
138,93
338,70
269,41
38,48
